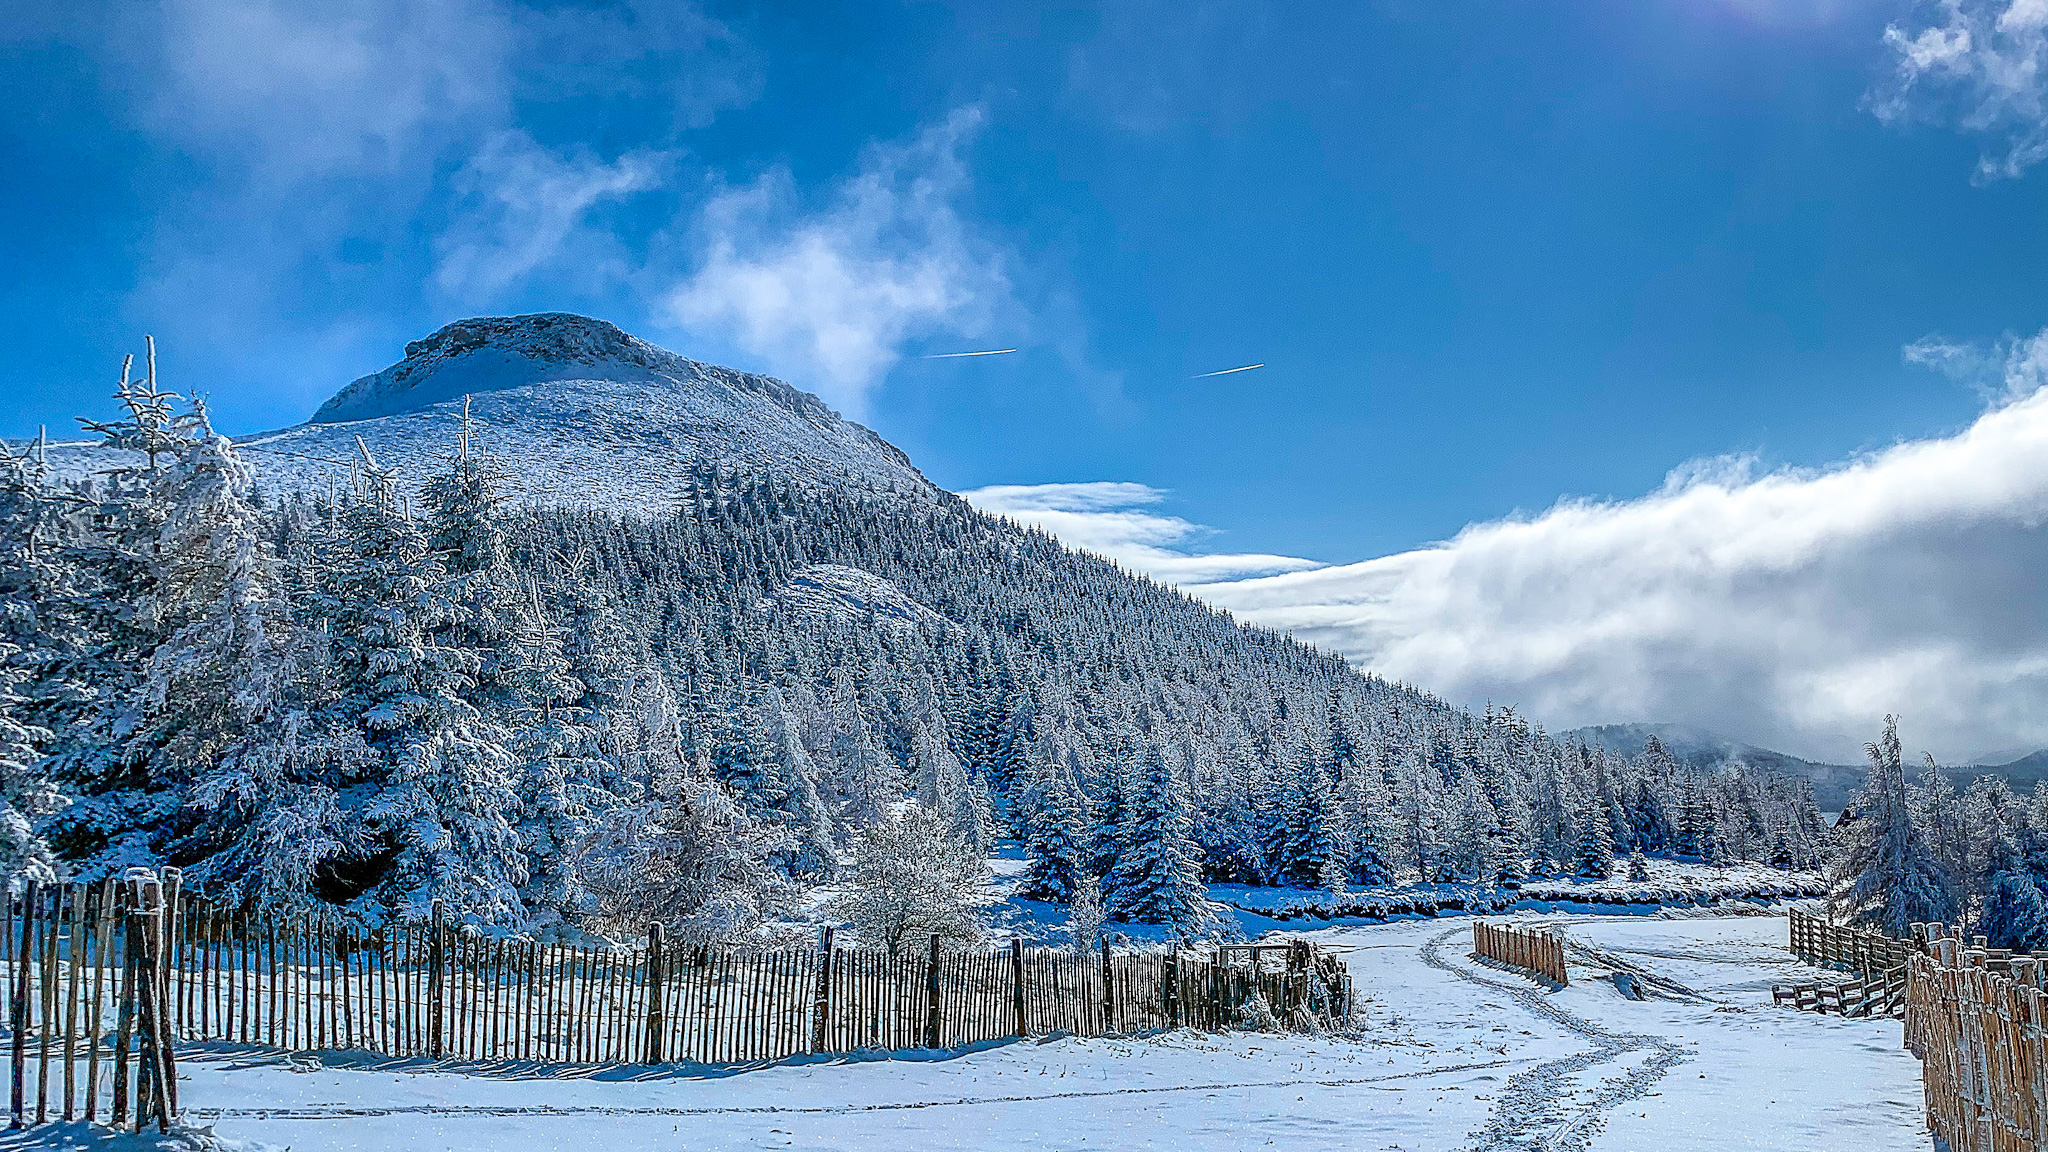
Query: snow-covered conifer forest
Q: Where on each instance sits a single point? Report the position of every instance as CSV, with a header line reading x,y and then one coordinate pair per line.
x,y
401,684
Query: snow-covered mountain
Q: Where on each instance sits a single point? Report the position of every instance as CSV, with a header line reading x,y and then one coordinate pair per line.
x,y
576,410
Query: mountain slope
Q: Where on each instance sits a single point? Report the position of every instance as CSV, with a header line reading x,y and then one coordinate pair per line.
x,y
577,411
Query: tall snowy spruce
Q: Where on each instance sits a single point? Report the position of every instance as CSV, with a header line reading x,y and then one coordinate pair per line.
x,y
1158,873
27,796
442,807
1055,817
1884,875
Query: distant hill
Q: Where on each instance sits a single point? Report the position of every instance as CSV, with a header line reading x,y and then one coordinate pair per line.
x,y
1833,784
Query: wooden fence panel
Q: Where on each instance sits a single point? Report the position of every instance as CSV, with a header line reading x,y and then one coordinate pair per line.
x,y
102,979
1537,951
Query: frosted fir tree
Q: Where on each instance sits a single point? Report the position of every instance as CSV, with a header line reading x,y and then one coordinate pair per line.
x,y
27,795
1315,849
1469,853
1158,873
92,677
911,879
2015,915
1112,811
562,781
448,797
1638,868
1595,857
225,674
1369,866
1054,817
865,779
797,805
1883,875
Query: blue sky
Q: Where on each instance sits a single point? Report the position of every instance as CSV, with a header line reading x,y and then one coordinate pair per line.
x,y
1492,255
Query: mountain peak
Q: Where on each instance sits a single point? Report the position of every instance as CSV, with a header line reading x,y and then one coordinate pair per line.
x,y
575,411
494,353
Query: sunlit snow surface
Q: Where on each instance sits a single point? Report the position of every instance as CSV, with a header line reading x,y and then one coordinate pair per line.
x,y
1437,1068
575,411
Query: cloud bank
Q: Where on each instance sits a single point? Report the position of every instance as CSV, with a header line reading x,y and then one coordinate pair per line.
x,y
1792,608
1107,518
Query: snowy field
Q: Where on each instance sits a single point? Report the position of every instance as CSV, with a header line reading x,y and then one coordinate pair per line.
x,y
1452,1055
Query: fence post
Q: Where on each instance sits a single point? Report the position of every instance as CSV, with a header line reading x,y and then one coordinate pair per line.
x,y
437,957
657,1021
18,1010
1017,982
1109,988
931,994
821,992
166,959
1172,989
167,953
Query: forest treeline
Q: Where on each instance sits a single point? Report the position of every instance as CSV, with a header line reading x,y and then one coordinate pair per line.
x,y
555,720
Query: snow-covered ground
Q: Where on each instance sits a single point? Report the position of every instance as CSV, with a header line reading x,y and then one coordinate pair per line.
x,y
1451,1055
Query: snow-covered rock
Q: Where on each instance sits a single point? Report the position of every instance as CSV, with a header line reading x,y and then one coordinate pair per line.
x,y
842,593
577,411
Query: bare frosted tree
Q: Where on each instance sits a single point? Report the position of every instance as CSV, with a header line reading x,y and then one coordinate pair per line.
x,y
913,877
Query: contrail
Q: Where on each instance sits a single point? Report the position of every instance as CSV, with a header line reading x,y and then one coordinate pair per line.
x,y
1226,371
950,355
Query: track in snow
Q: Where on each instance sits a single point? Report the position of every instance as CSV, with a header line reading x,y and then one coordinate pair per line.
x,y
1536,1111
345,1112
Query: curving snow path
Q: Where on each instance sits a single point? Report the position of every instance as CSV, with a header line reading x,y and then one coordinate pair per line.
x,y
1453,1056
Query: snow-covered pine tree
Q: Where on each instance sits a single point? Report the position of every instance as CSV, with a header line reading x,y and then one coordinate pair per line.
x,y
1314,840
2016,914
1595,858
1883,875
225,675
682,852
1054,817
562,783
444,805
27,794
1158,874
798,806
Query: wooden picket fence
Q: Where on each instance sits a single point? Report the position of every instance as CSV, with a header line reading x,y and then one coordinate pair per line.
x,y
308,982
1879,961
89,986
1825,944
1978,1020
1537,951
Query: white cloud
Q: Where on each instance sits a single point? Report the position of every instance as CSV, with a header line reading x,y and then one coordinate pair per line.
x,y
829,298
2011,369
523,208
1793,608
1981,64
294,90
1105,517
